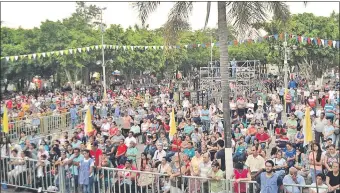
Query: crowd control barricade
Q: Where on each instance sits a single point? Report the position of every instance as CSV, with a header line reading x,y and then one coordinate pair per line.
x,y
27,174
44,124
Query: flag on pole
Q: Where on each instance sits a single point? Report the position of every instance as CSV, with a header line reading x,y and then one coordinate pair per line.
x,y
307,128
173,129
88,129
5,121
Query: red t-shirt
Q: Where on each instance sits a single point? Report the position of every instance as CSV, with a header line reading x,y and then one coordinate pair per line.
x,y
113,131
279,131
178,143
9,104
238,175
262,137
96,154
121,149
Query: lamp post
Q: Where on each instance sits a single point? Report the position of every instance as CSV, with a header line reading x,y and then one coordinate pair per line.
x,y
286,51
103,62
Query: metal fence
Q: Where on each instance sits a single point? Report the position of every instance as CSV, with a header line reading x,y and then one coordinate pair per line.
x,y
44,124
50,177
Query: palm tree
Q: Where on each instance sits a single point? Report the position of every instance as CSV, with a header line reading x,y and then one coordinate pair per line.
x,y
241,15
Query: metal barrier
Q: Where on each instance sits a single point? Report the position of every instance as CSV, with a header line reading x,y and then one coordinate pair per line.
x,y
43,125
64,178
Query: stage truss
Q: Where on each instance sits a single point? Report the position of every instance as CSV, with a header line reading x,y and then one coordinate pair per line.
x,y
247,77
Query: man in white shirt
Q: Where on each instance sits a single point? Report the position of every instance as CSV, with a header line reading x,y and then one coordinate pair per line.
x,y
130,139
159,155
185,104
320,123
105,129
278,109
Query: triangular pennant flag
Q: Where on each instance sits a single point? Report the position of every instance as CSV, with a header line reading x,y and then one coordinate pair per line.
x,y
146,47
57,53
124,47
79,50
34,55
43,54
212,44
21,57
11,58
110,47
38,54
16,58
83,49
323,42
281,36
100,46
154,47
186,46
7,58
338,44
74,51
96,46
334,44
104,46
70,51
2,58
92,47
198,45
319,41
276,36
61,52
66,52
29,56
162,47
88,49
131,47
330,43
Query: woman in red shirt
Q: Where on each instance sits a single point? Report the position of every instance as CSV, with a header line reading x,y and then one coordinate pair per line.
x,y
240,174
121,150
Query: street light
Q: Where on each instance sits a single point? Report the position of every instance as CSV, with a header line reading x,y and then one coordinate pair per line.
x,y
287,52
103,63
103,30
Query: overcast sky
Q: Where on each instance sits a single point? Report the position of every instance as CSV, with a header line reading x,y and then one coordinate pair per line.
x,y
31,14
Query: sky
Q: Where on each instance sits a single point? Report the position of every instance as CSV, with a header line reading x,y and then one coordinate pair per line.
x,y
31,14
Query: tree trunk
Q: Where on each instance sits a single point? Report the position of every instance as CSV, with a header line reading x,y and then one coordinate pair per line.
x,y
223,36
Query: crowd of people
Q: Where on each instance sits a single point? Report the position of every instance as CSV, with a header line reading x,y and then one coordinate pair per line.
x,y
131,132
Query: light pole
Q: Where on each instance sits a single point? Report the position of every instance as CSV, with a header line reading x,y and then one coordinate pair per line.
x,y
103,62
286,50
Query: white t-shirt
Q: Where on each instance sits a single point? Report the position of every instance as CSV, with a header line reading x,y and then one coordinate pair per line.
x,y
105,129
128,141
322,190
306,93
279,162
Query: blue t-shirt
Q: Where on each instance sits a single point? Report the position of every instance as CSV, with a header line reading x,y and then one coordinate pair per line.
x,y
329,107
205,118
189,152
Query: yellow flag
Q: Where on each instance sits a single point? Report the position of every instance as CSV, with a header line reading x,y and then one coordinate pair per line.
x,y
88,123
307,128
173,129
5,121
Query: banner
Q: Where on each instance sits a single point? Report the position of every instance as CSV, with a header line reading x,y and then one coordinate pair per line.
x,y
276,37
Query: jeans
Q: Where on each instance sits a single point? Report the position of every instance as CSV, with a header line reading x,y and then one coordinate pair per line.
x,y
206,125
270,123
74,121
248,138
87,188
314,172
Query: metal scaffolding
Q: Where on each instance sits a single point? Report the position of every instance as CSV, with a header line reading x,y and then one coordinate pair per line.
x,y
243,77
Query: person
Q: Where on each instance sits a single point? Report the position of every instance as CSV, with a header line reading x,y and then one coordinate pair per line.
x,y
293,178
280,163
204,169
144,180
130,138
319,125
127,178
176,170
120,153
220,154
315,160
131,152
268,180
328,131
320,178
333,178
331,157
158,156
240,152
74,161
329,110
255,162
86,172
263,138
217,184
240,174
